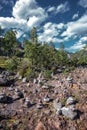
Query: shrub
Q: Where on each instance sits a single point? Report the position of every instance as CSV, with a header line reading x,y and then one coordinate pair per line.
x,y
12,64
47,74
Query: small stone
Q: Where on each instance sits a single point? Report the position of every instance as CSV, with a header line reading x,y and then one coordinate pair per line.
x,y
35,81
17,90
56,91
57,105
28,84
10,89
70,100
45,87
24,80
20,94
46,98
69,79
40,105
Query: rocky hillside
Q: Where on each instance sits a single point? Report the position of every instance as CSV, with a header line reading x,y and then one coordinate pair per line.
x,y
56,104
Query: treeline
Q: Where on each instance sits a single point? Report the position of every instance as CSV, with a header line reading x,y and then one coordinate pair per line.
x,y
38,57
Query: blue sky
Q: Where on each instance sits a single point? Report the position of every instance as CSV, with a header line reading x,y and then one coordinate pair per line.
x,y
60,21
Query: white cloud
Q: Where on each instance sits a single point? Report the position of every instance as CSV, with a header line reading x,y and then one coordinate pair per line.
x,y
62,8
51,9
51,32
79,45
83,3
83,39
75,16
76,47
78,27
26,14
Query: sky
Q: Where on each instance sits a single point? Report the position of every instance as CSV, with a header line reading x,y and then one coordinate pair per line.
x,y
59,21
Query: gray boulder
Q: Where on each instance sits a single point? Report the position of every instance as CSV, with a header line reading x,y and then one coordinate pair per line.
x,y
4,79
67,112
5,99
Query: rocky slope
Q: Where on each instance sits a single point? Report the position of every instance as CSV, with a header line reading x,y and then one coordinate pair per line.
x,y
57,104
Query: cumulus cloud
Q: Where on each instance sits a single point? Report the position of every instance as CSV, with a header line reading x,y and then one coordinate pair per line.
x,y
51,32
25,15
83,3
78,27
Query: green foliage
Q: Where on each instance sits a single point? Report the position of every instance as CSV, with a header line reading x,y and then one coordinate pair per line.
x,y
47,74
33,35
12,64
23,66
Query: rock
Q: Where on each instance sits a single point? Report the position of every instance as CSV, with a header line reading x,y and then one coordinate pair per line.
x,y
20,94
59,112
4,79
24,80
28,85
67,112
5,99
45,87
46,98
27,103
35,81
70,100
35,91
65,92
17,90
20,77
72,107
56,91
10,89
69,79
57,105
40,105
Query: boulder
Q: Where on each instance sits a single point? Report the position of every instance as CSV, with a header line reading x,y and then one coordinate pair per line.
x,y
67,112
5,99
4,79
